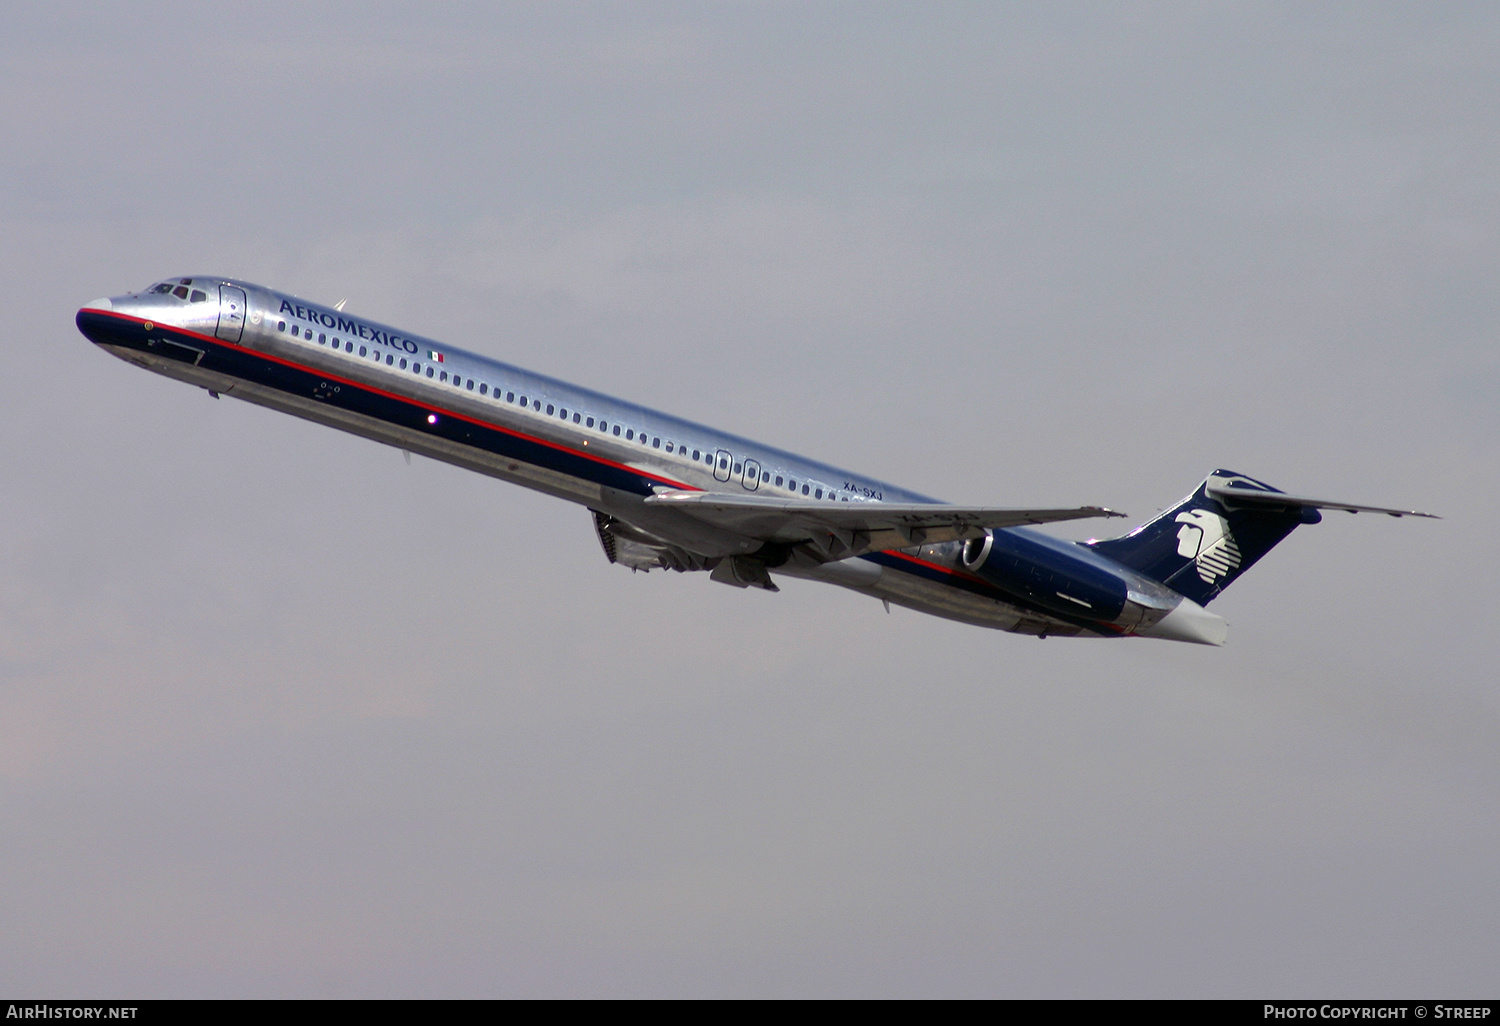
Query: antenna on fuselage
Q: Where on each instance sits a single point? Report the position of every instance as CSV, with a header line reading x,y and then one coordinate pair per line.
x,y
339,306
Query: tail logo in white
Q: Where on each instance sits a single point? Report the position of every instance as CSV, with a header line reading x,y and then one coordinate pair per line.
x,y
1205,539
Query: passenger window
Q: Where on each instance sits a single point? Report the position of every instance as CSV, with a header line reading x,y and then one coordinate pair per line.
x,y
617,431
510,397
322,338
348,347
403,363
630,435
549,409
561,413
804,489
389,360
819,494
736,468
590,422
469,386
281,325
696,456
362,351
577,418
483,388
669,447
656,443
778,482
429,372
524,401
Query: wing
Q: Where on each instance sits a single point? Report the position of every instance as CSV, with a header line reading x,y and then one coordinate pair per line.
x,y
843,529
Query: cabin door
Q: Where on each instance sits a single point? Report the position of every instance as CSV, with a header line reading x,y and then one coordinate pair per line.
x,y
231,313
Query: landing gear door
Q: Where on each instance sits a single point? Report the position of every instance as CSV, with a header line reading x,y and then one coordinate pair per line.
x,y
231,313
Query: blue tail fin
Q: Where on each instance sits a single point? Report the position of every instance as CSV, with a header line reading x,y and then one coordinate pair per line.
x,y
1201,546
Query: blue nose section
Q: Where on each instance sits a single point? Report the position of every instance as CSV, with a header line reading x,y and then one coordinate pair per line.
x,y
90,323
101,325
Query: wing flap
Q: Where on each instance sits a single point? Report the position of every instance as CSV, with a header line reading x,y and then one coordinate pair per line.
x,y
843,529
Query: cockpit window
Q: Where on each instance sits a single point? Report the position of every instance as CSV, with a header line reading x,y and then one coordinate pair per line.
x,y
178,288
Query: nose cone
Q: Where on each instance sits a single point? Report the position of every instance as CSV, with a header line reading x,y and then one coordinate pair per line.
x,y
101,321
1188,621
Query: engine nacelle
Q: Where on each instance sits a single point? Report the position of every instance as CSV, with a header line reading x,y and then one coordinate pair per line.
x,y
1047,575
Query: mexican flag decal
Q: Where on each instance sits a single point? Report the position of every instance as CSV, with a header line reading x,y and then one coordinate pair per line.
x,y
434,355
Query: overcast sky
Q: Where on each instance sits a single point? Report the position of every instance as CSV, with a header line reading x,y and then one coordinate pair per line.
x,y
281,715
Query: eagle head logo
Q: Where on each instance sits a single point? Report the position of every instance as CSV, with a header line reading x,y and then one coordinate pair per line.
x,y
1205,538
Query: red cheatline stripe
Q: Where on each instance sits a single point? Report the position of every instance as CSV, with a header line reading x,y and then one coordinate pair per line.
x,y
406,399
960,574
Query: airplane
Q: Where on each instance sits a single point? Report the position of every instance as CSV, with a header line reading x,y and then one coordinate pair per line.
x,y
669,494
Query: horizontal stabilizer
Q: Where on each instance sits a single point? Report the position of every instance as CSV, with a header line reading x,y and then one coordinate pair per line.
x,y
843,529
1203,544
1239,495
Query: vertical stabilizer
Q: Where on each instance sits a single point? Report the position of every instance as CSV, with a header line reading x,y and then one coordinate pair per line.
x,y
1201,546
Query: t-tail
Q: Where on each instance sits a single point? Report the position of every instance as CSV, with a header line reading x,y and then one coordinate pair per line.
x,y
1203,544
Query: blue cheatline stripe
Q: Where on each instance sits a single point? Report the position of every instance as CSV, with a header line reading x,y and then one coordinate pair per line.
x,y
295,379
975,585
287,376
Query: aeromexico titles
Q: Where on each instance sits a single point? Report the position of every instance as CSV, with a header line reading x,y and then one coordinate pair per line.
x,y
669,494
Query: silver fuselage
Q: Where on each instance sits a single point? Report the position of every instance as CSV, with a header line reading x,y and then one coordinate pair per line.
x,y
417,394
